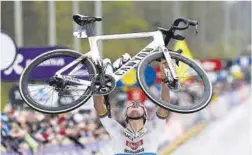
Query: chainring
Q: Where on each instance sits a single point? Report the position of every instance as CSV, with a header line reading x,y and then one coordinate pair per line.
x,y
103,86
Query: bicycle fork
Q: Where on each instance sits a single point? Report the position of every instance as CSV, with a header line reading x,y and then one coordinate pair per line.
x,y
171,76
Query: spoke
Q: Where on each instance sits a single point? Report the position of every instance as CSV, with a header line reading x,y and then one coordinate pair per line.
x,y
48,97
65,99
77,93
182,67
39,88
52,97
35,90
36,94
47,92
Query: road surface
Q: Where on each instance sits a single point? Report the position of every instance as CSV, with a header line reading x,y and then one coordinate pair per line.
x,y
230,135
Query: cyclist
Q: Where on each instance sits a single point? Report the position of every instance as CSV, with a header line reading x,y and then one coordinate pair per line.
x,y
136,138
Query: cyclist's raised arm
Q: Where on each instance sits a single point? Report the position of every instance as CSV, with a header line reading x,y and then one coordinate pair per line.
x,y
100,106
165,95
111,125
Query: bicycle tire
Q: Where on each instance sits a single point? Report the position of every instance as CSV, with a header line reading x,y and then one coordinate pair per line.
x,y
23,83
158,101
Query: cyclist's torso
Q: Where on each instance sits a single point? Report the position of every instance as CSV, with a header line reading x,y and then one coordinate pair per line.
x,y
125,142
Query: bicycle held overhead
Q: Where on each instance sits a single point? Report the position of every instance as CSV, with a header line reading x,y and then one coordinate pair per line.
x,y
68,82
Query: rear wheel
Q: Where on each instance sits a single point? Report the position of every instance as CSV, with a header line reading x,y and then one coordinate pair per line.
x,y
43,92
191,78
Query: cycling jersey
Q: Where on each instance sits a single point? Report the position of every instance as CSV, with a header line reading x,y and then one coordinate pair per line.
x,y
143,142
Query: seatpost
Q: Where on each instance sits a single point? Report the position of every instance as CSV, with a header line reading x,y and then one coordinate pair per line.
x,y
89,30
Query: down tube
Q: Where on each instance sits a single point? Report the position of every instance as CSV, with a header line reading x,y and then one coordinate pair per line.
x,y
134,61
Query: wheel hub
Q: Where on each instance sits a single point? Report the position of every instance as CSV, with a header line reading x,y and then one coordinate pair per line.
x,y
57,83
173,85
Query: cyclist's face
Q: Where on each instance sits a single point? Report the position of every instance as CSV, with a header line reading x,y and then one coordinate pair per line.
x,y
135,110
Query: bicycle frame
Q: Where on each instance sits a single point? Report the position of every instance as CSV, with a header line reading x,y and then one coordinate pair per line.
x,y
156,45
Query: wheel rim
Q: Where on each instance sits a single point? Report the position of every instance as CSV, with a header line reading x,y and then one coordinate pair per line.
x,y
61,102
199,102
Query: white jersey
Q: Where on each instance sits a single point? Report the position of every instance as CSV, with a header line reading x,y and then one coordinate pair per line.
x,y
125,142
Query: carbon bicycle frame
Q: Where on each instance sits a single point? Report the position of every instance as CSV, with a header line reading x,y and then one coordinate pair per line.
x,y
157,44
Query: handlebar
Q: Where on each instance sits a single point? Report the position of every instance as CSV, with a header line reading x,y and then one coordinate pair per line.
x,y
175,26
187,22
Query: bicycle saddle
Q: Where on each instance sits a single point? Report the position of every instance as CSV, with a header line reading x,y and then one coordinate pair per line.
x,y
81,19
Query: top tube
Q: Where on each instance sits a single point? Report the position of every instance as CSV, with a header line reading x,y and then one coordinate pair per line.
x,y
128,35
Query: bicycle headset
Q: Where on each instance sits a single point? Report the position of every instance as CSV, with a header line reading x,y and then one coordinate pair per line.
x,y
144,116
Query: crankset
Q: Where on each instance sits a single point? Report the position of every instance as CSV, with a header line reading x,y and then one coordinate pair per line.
x,y
103,84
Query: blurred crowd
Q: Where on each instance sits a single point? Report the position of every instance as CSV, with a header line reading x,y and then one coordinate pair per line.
x,y
22,129
232,79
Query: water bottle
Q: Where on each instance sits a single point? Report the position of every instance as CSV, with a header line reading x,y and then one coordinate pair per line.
x,y
122,60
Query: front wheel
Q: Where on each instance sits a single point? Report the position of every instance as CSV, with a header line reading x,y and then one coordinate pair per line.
x,y
43,92
191,77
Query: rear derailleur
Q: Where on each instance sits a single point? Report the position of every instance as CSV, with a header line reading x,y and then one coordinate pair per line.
x,y
59,85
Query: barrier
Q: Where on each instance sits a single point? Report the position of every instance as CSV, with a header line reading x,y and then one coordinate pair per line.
x,y
183,138
215,110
